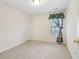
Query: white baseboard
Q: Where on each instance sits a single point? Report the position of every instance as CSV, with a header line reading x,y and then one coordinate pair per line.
x,y
14,45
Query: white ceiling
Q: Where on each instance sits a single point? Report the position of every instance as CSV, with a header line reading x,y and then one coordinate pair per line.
x,y
45,6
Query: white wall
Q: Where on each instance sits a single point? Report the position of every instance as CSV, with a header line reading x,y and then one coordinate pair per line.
x,y
14,27
77,46
71,27
41,28
78,26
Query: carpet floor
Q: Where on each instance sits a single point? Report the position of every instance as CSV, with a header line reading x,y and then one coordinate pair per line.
x,y
37,50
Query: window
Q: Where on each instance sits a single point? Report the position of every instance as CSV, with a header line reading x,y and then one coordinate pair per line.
x,y
56,22
55,26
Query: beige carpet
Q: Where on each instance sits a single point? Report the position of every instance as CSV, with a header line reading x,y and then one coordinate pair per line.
x,y
37,50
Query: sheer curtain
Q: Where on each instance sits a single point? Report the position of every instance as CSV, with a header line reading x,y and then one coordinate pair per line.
x,y
56,22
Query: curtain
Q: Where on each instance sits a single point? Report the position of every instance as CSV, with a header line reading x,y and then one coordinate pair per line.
x,y
56,21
